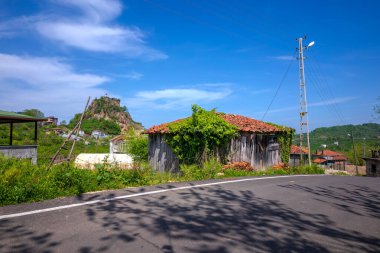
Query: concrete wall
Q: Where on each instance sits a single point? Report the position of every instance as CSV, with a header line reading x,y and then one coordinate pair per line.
x,y
29,152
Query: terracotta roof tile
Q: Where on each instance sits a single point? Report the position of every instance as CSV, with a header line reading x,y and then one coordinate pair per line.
x,y
297,150
336,156
319,160
243,124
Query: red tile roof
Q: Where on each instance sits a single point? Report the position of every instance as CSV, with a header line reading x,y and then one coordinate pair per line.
x,y
319,160
336,156
244,124
297,150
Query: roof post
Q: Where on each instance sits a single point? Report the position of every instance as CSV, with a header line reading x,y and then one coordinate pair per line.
x,y
35,132
11,134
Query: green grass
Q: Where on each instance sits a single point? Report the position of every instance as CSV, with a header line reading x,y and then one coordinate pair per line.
x,y
22,182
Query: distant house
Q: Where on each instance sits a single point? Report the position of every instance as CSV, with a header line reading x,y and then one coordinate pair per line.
x,y
118,145
97,134
373,164
330,159
256,144
51,120
295,155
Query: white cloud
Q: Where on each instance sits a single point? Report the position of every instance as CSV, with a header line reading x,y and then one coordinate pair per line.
x,y
44,83
315,104
176,98
282,57
92,29
133,75
100,38
97,10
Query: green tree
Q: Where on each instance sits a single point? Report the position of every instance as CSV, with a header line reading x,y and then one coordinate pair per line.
x,y
33,112
195,139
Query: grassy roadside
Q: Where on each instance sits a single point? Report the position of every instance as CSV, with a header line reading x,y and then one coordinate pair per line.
x,y
22,182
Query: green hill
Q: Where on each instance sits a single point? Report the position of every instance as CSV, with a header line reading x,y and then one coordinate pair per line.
x,y
106,114
337,138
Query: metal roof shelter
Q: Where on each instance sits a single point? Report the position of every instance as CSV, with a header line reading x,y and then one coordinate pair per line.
x,y
25,151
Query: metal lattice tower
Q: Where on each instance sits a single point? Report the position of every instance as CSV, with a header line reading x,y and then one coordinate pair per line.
x,y
304,119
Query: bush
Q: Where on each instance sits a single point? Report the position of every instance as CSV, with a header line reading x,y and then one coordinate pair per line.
x,y
22,182
137,147
208,170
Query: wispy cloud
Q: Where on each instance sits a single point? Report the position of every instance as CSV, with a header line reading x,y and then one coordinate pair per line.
x,y
96,10
176,98
315,104
92,28
133,75
48,84
282,57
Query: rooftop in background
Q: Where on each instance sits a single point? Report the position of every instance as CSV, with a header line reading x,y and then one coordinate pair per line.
x,y
329,153
12,117
244,124
297,150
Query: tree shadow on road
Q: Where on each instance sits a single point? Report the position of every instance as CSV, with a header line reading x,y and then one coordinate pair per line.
x,y
213,219
359,200
24,239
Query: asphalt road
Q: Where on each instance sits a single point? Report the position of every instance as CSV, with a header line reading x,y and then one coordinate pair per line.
x,y
282,214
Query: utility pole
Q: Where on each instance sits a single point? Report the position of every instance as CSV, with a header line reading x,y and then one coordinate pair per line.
x,y
353,147
304,118
363,147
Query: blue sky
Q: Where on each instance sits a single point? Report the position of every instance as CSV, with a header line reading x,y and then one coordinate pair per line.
x,y
159,57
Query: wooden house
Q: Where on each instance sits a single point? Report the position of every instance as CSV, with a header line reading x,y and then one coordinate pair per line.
x,y
295,156
118,145
330,159
373,164
256,144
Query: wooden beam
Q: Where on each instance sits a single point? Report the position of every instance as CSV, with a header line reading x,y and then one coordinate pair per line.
x,y
11,134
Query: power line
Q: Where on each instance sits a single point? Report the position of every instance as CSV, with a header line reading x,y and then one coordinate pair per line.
x,y
280,84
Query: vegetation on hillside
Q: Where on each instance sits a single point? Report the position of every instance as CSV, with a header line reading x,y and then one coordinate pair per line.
x,y
337,138
110,127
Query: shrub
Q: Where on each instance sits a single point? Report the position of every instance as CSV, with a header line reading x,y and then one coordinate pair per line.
x,y
239,166
208,170
137,147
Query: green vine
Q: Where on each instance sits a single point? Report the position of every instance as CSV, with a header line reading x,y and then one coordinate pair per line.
x,y
284,139
195,139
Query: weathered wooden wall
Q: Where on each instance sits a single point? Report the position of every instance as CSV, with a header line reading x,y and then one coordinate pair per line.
x,y
260,150
161,156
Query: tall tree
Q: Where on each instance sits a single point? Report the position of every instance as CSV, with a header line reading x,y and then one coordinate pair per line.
x,y
33,112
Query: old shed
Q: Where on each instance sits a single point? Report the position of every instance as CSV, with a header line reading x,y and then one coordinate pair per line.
x,y
19,151
256,143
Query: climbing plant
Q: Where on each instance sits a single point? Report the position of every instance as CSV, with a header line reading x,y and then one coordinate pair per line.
x,y
195,139
284,139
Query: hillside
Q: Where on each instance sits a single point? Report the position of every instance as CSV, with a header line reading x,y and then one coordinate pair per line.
x,y
106,114
366,138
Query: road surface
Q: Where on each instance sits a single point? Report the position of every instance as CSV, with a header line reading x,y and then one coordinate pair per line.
x,y
277,214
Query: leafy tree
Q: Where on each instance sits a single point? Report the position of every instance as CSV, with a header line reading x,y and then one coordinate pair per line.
x,y
376,108
195,139
33,112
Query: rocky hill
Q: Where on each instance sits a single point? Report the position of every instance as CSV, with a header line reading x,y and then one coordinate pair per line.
x,y
109,109
106,114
